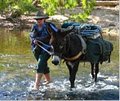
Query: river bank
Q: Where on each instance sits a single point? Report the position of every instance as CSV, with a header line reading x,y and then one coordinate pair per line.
x,y
106,17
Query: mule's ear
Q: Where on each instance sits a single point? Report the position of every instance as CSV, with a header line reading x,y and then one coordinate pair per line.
x,y
65,31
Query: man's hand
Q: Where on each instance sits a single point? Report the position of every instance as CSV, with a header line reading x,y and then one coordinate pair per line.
x,y
35,42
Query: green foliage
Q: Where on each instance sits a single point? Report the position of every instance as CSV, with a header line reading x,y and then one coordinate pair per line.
x,y
84,4
70,4
4,4
24,6
50,7
87,9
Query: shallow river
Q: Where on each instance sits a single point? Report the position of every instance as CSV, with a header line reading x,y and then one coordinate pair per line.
x,y
17,74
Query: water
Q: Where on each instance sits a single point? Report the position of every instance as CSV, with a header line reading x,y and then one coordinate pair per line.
x,y
17,74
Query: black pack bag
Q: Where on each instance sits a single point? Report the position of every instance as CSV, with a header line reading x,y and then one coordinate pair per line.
x,y
98,50
107,48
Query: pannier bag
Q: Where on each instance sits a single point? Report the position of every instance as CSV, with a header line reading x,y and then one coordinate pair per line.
x,y
98,50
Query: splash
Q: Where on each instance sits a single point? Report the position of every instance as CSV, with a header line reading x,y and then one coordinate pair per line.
x,y
86,89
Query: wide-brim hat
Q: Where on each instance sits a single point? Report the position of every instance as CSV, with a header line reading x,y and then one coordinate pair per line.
x,y
40,15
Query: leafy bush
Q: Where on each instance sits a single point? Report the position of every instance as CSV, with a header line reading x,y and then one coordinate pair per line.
x,y
24,6
87,9
49,6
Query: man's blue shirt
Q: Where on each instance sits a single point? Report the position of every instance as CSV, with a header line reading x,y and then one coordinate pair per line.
x,y
41,34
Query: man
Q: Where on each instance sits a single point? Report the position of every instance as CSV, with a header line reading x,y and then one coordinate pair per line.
x,y
39,34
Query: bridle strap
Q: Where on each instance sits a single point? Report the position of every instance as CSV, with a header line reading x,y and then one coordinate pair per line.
x,y
74,58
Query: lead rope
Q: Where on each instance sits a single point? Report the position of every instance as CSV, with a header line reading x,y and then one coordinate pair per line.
x,y
43,43
50,53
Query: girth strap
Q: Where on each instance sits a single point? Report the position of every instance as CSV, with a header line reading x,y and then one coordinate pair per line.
x,y
84,45
74,58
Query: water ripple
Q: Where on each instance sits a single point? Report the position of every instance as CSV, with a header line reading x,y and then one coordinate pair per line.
x,y
59,89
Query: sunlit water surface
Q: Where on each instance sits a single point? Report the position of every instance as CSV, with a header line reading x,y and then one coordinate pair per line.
x,y
17,74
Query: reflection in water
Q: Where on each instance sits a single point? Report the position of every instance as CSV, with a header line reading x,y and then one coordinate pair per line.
x,y
17,74
14,42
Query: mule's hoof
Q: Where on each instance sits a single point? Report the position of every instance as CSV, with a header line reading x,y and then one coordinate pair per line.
x,y
93,77
72,87
95,80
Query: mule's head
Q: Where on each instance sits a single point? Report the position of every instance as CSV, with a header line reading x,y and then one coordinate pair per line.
x,y
58,42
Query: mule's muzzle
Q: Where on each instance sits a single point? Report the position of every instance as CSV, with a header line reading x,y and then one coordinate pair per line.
x,y
56,60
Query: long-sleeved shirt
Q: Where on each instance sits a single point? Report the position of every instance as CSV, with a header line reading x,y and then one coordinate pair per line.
x,y
41,34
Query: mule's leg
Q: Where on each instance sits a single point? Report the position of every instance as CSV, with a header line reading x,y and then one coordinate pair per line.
x,y
73,75
96,71
92,70
70,69
73,68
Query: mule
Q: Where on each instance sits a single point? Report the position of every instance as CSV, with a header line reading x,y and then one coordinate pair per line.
x,y
70,47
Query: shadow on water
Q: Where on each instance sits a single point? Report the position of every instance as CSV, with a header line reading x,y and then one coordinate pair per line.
x,y
17,74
